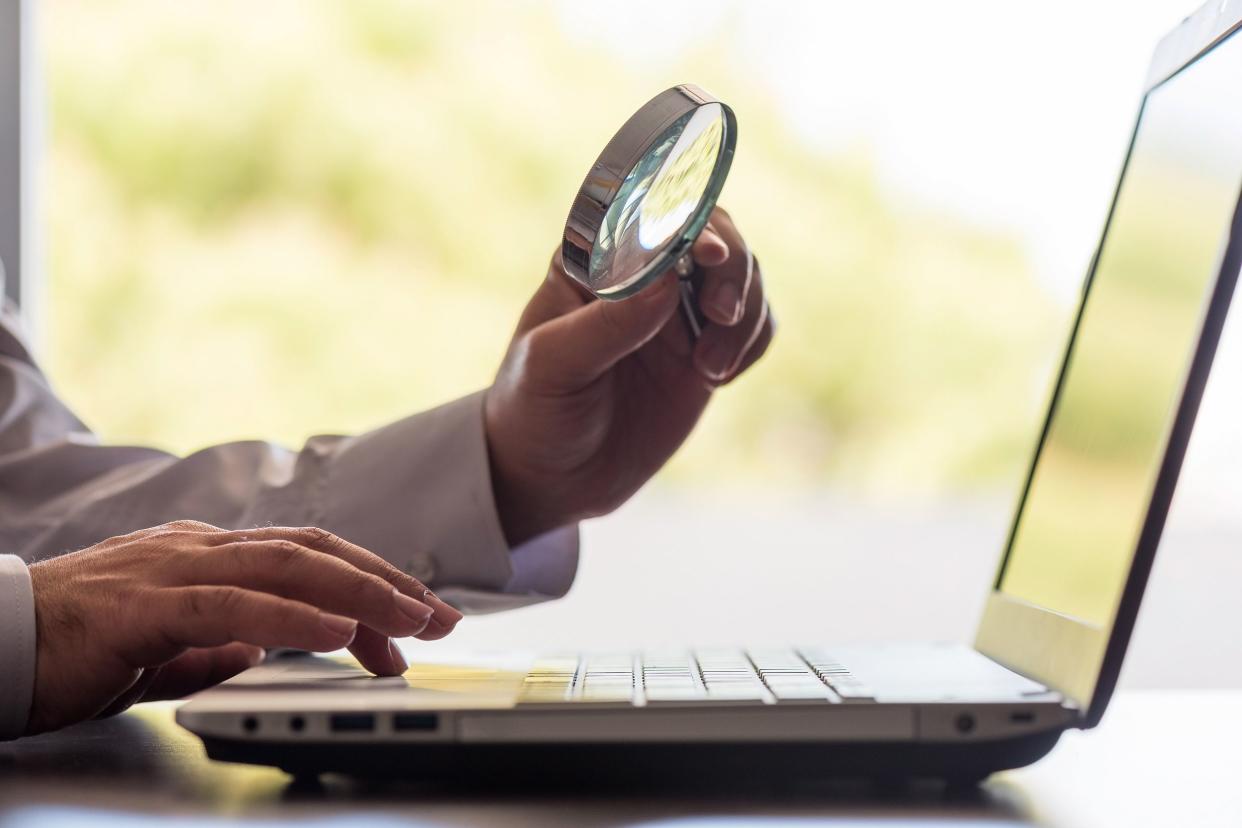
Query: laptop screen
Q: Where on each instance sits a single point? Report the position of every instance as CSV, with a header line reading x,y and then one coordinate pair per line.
x,y
1093,479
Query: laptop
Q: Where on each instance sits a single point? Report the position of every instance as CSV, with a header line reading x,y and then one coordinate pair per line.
x,y
1056,623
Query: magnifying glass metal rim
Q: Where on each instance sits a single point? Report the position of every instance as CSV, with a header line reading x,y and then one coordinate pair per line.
x,y
619,157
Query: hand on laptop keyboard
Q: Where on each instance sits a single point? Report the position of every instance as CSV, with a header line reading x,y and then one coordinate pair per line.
x,y
168,611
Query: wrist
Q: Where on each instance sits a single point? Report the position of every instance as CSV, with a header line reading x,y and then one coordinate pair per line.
x,y
516,512
520,500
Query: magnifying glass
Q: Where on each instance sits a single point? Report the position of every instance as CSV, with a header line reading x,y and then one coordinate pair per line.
x,y
648,197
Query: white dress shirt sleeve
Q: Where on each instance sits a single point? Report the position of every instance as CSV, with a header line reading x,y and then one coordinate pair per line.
x,y
449,535
17,646
416,492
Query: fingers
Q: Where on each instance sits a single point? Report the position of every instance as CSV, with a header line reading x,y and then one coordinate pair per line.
x,y
131,696
290,570
756,350
186,526
378,653
727,278
576,348
709,249
557,295
434,632
721,349
331,545
176,618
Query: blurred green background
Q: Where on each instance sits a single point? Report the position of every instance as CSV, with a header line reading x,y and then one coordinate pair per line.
x,y
299,217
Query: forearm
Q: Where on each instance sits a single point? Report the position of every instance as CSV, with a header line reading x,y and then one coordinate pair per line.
x,y
417,492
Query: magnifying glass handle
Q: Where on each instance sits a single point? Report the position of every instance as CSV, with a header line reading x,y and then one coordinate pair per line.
x,y
689,296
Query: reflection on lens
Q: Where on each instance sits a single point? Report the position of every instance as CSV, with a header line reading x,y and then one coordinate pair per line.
x,y
679,185
658,199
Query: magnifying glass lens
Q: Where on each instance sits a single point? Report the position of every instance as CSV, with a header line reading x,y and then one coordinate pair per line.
x,y
659,201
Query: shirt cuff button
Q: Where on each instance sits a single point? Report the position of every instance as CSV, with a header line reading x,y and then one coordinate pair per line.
x,y
421,566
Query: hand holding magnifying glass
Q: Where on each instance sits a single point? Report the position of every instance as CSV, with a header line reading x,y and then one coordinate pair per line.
x,y
616,356
649,196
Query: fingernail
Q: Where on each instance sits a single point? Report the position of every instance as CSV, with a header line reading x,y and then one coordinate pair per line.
x,y
411,609
446,613
714,361
398,658
726,301
338,625
257,655
716,252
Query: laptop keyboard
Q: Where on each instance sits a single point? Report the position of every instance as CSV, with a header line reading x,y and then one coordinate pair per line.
x,y
726,676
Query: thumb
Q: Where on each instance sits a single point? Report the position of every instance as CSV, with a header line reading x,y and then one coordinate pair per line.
x,y
582,345
199,669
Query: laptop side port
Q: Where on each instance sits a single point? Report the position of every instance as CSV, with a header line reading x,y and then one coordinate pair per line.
x,y
1022,717
351,722
415,722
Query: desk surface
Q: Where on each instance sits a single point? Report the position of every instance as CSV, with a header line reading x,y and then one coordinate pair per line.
x,y
1158,759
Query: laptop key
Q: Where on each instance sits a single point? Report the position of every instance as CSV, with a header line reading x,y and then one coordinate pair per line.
x,y
837,676
738,693
657,697
803,693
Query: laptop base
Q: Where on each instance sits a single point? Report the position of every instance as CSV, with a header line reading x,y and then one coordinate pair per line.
x,y
538,765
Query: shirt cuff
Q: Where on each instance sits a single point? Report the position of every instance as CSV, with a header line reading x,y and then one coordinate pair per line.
x,y
545,566
418,493
543,569
17,646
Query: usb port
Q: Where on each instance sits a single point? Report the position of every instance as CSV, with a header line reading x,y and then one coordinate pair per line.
x,y
351,722
425,722
1022,717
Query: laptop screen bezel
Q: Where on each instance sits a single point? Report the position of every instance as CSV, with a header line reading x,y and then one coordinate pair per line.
x,y
1079,659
